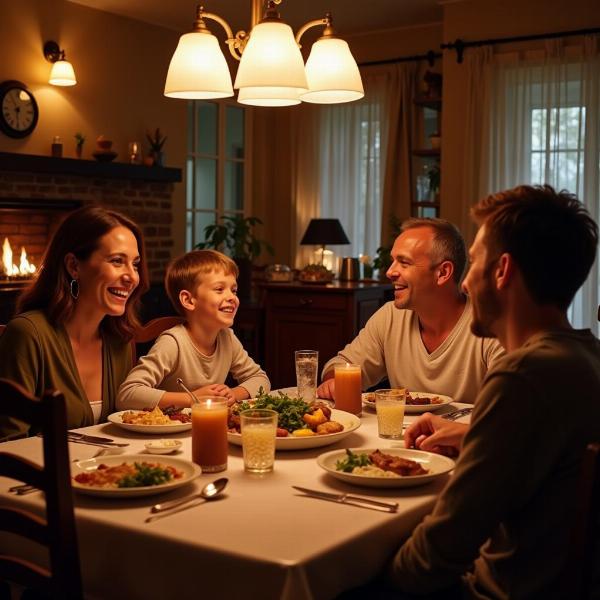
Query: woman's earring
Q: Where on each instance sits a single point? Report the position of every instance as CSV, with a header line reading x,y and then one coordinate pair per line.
x,y
74,286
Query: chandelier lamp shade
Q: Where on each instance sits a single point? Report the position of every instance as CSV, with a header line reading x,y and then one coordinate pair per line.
x,y
62,72
271,70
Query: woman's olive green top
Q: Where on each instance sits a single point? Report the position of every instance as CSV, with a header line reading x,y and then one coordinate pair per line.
x,y
38,355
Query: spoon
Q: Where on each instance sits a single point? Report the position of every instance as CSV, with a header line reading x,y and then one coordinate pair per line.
x,y
209,492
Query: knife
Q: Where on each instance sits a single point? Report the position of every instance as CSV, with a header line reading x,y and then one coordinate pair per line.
x,y
350,499
89,438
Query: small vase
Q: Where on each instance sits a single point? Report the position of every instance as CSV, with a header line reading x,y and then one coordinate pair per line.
x,y
158,158
79,150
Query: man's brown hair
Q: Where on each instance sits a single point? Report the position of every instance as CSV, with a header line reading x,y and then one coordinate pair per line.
x,y
184,272
550,235
448,243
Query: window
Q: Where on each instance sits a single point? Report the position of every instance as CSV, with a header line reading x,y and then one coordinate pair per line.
x,y
217,165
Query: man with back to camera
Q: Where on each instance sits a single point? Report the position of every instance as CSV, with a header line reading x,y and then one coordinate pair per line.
x,y
500,529
422,340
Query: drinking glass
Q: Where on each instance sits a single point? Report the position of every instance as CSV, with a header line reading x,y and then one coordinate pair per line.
x,y
348,388
389,404
307,366
209,433
259,430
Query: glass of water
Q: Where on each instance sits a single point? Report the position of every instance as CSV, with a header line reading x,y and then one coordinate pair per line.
x,y
307,366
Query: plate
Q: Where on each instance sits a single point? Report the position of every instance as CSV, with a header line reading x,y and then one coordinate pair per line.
x,y
413,409
173,427
348,420
190,472
437,465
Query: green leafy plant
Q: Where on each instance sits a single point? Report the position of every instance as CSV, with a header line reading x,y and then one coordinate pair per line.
x,y
156,140
433,172
235,234
383,258
79,138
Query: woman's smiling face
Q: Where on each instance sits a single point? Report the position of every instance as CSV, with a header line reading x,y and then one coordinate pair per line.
x,y
109,276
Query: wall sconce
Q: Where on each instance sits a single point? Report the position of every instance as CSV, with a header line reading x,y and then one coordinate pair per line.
x,y
271,70
62,72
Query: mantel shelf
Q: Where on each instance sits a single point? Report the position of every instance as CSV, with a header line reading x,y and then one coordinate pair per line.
x,y
87,168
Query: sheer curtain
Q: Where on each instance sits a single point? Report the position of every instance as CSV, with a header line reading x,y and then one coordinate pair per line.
x,y
543,126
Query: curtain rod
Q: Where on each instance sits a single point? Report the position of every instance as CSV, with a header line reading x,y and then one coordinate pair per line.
x,y
429,57
460,45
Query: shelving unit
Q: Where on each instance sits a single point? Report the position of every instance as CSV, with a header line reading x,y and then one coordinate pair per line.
x,y
426,205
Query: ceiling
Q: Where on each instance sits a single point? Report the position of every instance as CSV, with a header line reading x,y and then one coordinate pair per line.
x,y
372,15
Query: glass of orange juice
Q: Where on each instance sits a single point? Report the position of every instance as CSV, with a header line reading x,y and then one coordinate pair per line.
x,y
209,433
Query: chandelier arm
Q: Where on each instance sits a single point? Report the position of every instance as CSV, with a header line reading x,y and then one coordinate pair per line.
x,y
233,42
316,23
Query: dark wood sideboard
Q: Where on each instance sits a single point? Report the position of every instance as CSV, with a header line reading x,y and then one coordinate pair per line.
x,y
314,317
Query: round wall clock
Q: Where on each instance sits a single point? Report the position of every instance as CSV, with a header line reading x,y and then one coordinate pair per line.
x,y
18,109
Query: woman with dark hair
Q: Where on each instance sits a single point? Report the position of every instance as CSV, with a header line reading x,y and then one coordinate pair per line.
x,y
74,323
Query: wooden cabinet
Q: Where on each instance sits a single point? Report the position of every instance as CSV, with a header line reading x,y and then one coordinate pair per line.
x,y
314,317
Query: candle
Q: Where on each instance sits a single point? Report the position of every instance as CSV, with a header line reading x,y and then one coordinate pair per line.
x,y
348,388
209,433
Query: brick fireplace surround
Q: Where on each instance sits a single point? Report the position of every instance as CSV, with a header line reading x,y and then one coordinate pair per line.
x,y
35,191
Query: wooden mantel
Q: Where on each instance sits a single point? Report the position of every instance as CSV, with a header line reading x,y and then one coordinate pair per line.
x,y
87,168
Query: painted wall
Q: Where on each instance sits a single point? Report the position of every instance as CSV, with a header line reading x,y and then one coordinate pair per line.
x,y
120,66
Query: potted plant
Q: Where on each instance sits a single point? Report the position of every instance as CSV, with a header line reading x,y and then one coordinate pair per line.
x,y
80,140
433,172
383,258
156,141
236,237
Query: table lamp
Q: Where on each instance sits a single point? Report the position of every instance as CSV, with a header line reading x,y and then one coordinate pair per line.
x,y
322,232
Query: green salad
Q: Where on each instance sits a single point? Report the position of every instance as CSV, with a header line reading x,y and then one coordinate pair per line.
x,y
351,461
145,474
291,410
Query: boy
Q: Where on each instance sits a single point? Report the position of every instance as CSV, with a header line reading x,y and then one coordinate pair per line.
x,y
202,285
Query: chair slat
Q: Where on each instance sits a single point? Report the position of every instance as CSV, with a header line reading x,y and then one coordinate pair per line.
x,y
22,469
24,523
26,574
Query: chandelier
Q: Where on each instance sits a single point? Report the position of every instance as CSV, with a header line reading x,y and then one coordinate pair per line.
x,y
271,70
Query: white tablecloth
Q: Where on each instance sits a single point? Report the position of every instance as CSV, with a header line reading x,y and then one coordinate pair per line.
x,y
263,540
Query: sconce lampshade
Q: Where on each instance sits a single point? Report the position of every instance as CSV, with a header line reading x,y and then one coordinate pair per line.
x,y
332,73
62,73
324,231
273,60
198,69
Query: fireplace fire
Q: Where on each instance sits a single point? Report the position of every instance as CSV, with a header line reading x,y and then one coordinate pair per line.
x,y
25,270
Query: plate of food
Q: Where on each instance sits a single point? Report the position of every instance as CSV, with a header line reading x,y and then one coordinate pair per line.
x,y
301,425
416,402
396,467
132,475
157,421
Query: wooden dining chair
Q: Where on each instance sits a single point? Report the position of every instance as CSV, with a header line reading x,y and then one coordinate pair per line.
x,y
584,552
146,334
57,531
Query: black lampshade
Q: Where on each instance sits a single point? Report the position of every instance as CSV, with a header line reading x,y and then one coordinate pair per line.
x,y
324,231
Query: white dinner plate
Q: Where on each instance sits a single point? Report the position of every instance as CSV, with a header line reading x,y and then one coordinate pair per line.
x,y
173,427
190,472
436,464
348,420
412,409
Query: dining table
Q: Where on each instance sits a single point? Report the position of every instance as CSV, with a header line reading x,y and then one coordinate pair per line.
x,y
260,539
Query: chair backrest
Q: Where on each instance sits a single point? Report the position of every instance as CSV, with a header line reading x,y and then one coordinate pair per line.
x,y
2,328
581,571
149,332
57,531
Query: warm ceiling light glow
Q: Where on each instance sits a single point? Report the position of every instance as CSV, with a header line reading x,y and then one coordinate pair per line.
x,y
332,73
62,73
271,59
271,71
198,69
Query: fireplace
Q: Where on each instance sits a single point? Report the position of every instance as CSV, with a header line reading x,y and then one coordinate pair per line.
x,y
37,191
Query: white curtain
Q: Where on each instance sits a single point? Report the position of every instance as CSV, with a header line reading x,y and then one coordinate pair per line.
x,y
544,127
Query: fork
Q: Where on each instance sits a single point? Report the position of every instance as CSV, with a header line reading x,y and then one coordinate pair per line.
x,y
457,414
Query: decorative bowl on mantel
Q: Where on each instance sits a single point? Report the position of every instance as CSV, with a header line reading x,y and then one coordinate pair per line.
x,y
104,155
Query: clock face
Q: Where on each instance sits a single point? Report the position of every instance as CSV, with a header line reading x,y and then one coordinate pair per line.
x,y
18,109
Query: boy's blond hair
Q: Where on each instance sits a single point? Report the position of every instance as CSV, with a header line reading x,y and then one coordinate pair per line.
x,y
183,272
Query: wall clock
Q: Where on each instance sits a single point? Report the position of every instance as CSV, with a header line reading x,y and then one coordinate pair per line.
x,y
18,109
